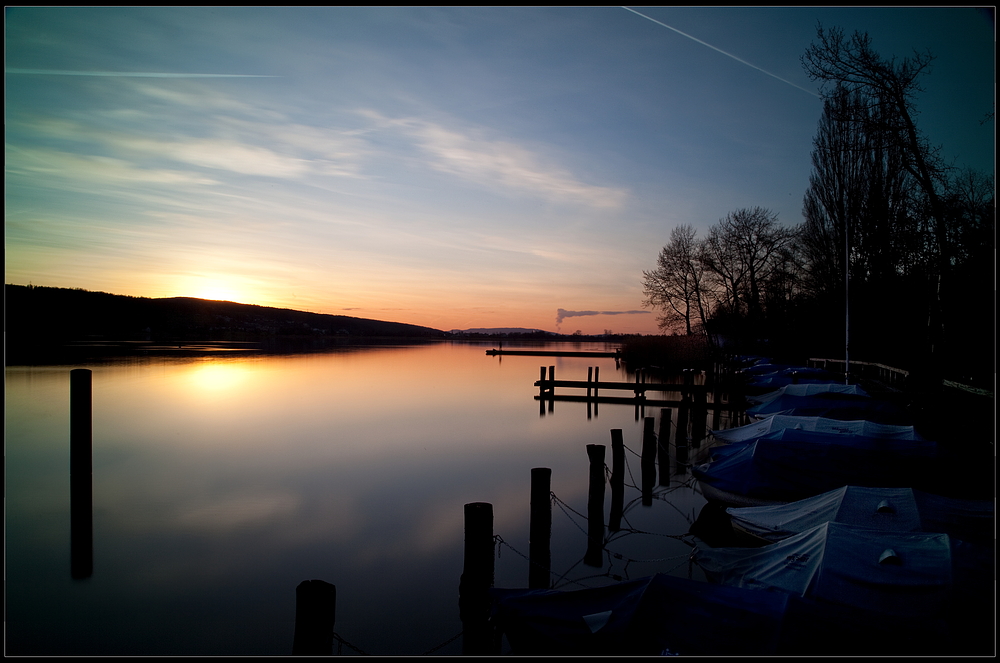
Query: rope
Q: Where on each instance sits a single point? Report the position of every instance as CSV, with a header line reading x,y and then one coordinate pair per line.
x,y
446,642
341,642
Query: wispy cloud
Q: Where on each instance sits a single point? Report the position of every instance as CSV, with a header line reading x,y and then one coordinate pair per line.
x,y
490,162
127,74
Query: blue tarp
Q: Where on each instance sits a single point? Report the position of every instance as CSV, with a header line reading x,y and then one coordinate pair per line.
x,y
834,406
791,464
667,615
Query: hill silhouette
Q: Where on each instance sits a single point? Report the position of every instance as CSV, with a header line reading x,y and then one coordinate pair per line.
x,y
44,322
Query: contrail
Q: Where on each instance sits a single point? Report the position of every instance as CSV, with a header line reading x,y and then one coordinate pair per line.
x,y
136,74
723,52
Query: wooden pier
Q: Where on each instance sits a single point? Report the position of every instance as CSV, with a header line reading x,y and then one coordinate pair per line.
x,y
680,395
616,354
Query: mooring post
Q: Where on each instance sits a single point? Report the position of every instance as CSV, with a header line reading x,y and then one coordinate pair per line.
x,y
315,615
699,417
681,436
663,446
617,480
648,461
595,507
597,370
590,379
541,393
477,578
81,473
552,388
540,529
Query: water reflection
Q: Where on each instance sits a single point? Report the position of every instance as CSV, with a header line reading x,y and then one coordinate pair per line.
x,y
222,483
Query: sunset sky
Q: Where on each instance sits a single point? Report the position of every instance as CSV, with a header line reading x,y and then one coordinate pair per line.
x,y
447,167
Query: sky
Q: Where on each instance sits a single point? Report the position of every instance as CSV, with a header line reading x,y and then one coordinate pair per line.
x,y
449,167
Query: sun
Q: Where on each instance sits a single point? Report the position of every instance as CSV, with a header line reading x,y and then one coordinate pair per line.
x,y
220,293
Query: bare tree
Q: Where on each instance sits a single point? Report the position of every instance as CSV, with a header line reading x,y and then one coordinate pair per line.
x,y
887,89
676,286
743,252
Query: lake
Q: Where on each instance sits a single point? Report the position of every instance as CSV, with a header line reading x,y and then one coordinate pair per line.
x,y
220,482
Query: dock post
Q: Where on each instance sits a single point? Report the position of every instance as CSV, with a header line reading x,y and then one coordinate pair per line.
x,y
540,529
315,615
597,379
648,461
699,414
590,379
552,388
595,507
81,473
663,446
681,436
477,578
617,480
541,393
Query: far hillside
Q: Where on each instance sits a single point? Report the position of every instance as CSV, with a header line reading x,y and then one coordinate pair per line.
x,y
40,320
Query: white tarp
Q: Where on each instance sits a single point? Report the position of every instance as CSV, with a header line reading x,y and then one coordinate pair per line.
x,y
894,573
888,509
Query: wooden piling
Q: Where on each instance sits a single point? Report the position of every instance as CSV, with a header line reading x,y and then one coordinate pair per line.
x,y
663,446
541,393
590,379
540,529
681,435
699,415
315,615
81,473
617,480
648,460
477,578
595,507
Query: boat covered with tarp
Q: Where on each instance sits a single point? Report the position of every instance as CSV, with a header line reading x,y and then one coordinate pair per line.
x,y
834,405
819,424
808,389
924,584
905,574
668,615
886,509
651,616
791,464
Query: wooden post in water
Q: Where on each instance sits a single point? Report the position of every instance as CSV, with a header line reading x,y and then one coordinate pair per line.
x,y
477,578
663,446
315,615
699,415
590,379
617,480
552,388
81,473
597,378
540,529
648,461
541,393
681,436
595,507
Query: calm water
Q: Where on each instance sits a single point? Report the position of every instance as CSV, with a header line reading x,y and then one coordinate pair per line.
x,y
222,482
